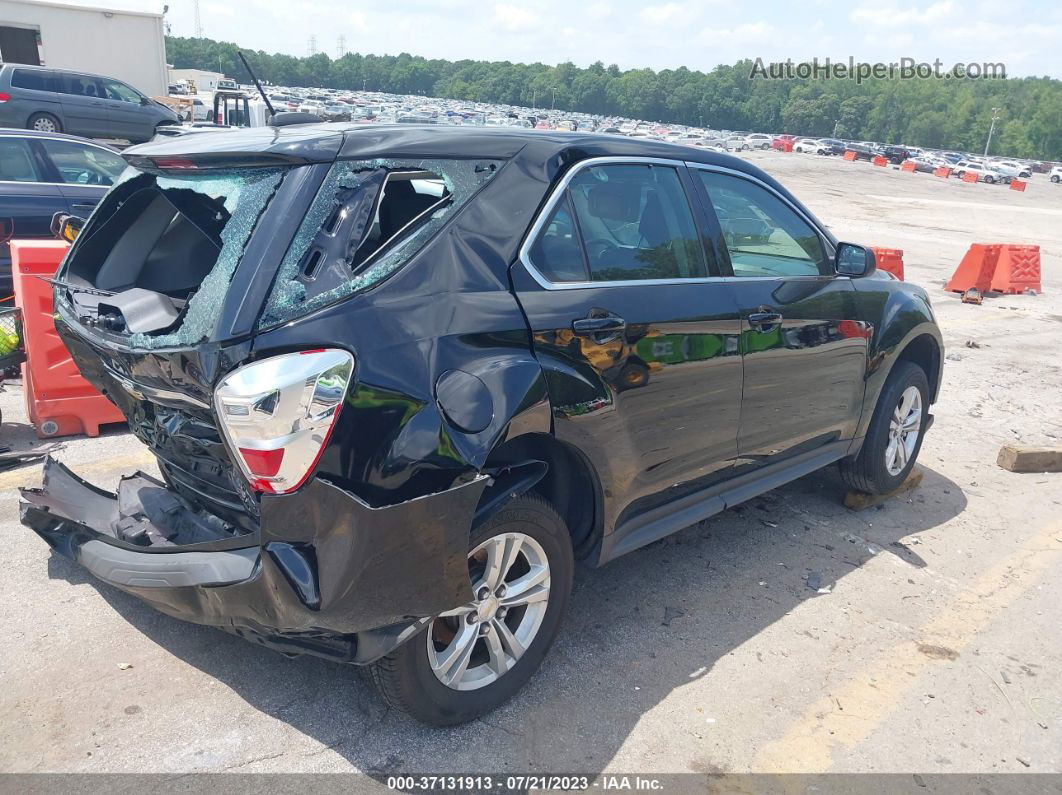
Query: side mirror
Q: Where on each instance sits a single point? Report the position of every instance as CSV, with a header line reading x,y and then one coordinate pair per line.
x,y
855,261
67,227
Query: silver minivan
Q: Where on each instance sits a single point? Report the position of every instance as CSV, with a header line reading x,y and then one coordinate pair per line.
x,y
58,100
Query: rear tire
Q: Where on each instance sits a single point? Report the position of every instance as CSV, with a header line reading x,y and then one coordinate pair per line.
x,y
44,122
406,677
876,468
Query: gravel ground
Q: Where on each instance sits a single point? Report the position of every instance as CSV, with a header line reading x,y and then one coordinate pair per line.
x,y
931,644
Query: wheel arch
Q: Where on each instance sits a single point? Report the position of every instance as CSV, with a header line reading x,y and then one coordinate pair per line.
x,y
543,464
925,351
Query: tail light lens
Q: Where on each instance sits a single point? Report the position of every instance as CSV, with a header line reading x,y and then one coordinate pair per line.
x,y
277,414
4,96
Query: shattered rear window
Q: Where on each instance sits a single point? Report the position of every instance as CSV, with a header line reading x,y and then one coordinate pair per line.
x,y
368,219
156,259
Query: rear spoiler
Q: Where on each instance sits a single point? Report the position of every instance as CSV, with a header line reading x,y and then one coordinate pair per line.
x,y
297,144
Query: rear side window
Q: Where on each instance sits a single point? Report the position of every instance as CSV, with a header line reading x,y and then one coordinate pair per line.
x,y
621,223
16,161
35,79
80,85
368,219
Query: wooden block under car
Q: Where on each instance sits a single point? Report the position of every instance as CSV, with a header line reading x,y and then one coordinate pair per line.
x,y
1018,458
860,500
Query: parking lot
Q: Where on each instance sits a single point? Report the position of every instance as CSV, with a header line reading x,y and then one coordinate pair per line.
x,y
789,634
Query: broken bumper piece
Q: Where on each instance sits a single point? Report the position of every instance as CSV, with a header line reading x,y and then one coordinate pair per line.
x,y
326,574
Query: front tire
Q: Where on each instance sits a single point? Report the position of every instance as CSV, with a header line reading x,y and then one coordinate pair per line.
x,y
894,437
44,122
472,659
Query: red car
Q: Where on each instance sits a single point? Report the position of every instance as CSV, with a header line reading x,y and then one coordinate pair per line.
x,y
783,143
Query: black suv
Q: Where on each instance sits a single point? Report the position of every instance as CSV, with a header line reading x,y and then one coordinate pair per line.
x,y
895,154
399,378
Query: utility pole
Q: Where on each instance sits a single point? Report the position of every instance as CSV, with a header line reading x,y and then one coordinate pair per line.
x,y
313,45
198,21
992,128
534,96
553,104
341,46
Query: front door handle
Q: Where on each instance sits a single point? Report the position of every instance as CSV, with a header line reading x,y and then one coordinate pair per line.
x,y
600,326
765,321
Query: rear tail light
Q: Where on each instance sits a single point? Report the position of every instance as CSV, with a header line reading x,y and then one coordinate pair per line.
x,y
4,97
277,414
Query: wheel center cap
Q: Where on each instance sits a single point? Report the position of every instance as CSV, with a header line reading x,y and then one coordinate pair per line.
x,y
487,608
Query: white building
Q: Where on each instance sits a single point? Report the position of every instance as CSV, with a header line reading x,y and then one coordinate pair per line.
x,y
204,81
128,45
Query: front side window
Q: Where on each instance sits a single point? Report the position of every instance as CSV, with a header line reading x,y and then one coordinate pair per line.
x,y
16,161
83,165
120,92
764,235
623,222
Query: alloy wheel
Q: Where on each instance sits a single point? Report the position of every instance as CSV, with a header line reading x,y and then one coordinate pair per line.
x,y
478,643
904,428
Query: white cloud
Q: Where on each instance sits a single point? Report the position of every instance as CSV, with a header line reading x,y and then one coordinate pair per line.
x,y
599,10
511,17
894,17
663,14
359,19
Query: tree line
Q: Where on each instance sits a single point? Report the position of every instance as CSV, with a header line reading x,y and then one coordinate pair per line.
x,y
937,113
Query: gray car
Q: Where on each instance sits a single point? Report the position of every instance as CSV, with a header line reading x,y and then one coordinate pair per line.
x,y
58,100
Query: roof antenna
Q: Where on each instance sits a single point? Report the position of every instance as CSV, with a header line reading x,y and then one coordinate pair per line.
x,y
257,85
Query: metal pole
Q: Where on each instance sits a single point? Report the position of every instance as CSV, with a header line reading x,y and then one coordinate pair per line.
x,y
991,129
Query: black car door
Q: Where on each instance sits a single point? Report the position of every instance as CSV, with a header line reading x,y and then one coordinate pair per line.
x,y
28,200
803,342
84,172
636,331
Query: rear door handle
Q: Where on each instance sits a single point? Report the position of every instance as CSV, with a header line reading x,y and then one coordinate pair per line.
x,y
84,206
600,328
765,321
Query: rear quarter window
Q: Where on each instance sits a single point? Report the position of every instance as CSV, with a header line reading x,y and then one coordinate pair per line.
x,y
368,219
33,79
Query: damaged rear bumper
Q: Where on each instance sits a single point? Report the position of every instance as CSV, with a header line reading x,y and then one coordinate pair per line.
x,y
326,574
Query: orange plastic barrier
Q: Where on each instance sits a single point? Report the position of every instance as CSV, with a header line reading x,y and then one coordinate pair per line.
x,y
1018,269
942,171
909,166
969,176
1017,184
59,401
880,161
975,270
849,155
890,260
1001,267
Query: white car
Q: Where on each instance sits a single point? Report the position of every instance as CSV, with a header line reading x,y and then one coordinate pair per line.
x,y
758,141
736,143
809,146
984,172
1056,174
1012,169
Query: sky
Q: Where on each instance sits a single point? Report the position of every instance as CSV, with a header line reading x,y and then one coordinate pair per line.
x,y
660,34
